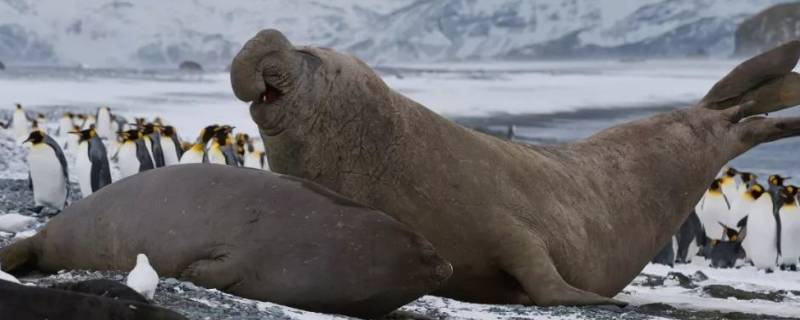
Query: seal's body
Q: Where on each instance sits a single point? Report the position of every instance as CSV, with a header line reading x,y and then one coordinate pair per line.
x,y
247,232
518,222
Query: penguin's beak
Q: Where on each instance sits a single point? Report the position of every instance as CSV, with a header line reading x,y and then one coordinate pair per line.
x,y
74,132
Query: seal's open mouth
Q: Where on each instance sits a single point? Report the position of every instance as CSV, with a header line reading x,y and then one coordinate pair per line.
x,y
270,94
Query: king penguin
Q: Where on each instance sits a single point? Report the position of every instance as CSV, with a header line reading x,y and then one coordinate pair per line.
x,y
91,162
103,125
132,155
152,140
789,216
221,149
761,240
255,158
19,123
48,172
713,209
730,182
197,153
65,125
170,145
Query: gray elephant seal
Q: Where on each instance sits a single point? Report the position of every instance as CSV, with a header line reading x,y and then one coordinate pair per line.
x,y
521,224
244,231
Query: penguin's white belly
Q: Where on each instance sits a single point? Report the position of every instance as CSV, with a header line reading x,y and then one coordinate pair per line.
x,y
49,187
128,162
252,160
215,155
739,210
714,212
20,126
103,125
790,235
760,244
149,144
64,126
192,156
83,168
169,151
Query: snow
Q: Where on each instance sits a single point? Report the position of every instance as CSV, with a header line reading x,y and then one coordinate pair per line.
x,y
14,222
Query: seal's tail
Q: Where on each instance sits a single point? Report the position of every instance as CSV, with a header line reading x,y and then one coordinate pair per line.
x,y
766,81
18,257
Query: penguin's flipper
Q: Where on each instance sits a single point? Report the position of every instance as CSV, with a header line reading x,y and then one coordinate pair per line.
x,y
145,162
30,181
753,75
177,143
158,153
101,172
61,159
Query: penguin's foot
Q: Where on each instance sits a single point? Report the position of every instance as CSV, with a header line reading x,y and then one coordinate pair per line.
x,y
793,267
769,270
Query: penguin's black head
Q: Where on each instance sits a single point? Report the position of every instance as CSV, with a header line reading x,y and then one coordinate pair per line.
x,y
207,133
19,106
139,121
747,177
223,135
35,124
715,185
168,131
731,172
777,180
148,128
36,137
756,190
158,122
242,141
68,115
85,135
789,193
40,115
130,135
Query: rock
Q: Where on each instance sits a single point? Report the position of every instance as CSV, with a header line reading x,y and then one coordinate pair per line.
x,y
765,30
699,276
725,292
190,66
683,280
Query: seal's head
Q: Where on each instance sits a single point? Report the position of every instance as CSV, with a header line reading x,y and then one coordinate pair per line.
x,y
303,95
284,82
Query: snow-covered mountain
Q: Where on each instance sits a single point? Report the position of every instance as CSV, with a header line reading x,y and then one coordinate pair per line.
x,y
155,33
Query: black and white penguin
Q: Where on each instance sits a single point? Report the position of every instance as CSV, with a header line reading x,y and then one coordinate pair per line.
x,y
789,216
19,123
723,253
103,124
91,162
730,182
667,254
242,142
197,152
254,158
170,145
152,140
65,125
48,171
132,155
713,209
761,240
221,150
88,121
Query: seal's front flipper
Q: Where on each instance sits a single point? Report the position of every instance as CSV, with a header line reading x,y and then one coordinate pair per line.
x,y
18,257
534,270
217,271
766,79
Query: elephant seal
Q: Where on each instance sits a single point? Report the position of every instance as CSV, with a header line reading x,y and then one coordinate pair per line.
x,y
521,224
104,288
248,232
20,302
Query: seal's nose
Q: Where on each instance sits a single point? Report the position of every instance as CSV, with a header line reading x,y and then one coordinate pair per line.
x,y
248,65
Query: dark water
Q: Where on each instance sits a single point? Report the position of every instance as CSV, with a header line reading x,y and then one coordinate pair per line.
x,y
779,157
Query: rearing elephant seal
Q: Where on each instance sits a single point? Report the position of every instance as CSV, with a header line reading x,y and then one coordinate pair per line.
x,y
247,232
521,224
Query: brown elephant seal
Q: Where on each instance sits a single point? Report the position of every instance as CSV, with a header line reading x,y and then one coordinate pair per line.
x,y
568,224
247,232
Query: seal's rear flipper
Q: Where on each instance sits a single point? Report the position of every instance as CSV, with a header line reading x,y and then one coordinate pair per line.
x,y
18,257
766,79
535,272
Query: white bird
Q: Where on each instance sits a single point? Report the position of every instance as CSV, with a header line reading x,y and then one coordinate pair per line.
x,y
14,222
19,123
143,278
103,123
7,277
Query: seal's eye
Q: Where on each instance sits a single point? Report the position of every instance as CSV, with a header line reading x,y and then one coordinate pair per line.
x,y
270,95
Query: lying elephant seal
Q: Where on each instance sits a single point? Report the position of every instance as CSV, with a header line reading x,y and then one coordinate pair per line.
x,y
568,224
247,232
20,302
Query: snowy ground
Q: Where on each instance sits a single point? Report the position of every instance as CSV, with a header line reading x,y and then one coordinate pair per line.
x,y
548,102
